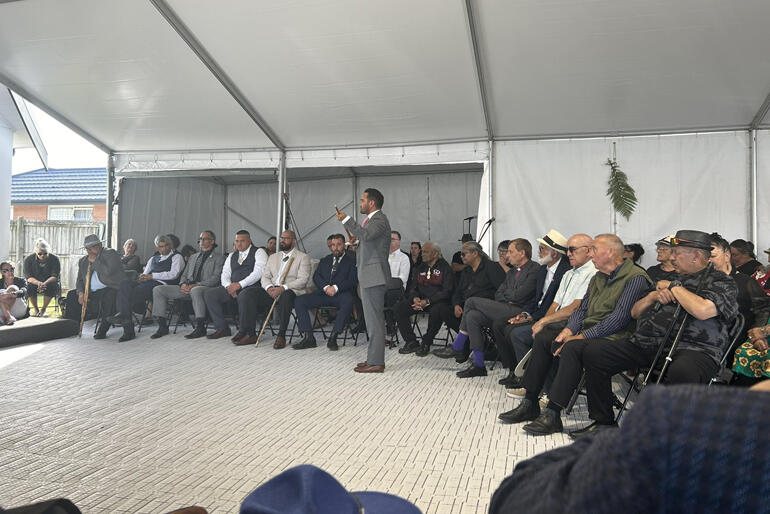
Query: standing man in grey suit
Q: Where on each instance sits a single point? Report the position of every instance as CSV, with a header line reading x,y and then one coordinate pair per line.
x,y
373,273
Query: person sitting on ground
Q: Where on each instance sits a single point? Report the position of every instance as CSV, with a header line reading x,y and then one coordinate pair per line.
x,y
286,275
753,303
42,270
335,279
743,257
13,291
131,261
107,275
708,296
203,272
502,255
270,248
553,265
515,295
162,269
432,288
664,270
684,448
400,268
602,319
241,272
633,251
480,279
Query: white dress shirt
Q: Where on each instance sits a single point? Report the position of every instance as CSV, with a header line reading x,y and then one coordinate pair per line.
x,y
260,259
362,223
177,263
399,266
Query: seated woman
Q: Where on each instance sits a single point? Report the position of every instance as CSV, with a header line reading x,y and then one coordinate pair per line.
x,y
130,260
751,363
13,291
42,270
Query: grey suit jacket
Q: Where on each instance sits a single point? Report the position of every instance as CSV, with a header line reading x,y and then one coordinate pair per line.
x,y
373,250
210,273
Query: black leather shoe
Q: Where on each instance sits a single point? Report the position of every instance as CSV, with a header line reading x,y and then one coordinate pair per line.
x,y
525,411
128,333
119,318
446,352
331,343
548,422
162,331
423,350
513,382
472,371
307,342
409,347
200,330
591,429
101,333
507,377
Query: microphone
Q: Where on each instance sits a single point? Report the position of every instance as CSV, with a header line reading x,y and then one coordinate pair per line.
x,y
470,218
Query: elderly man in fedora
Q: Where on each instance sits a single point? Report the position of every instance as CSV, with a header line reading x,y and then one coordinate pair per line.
x,y
106,273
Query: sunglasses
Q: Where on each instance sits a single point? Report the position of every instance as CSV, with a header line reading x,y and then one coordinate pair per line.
x,y
573,249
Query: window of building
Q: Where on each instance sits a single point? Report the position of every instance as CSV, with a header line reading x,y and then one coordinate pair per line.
x,y
70,213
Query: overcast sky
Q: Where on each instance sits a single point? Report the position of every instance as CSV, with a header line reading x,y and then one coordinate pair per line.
x,y
65,148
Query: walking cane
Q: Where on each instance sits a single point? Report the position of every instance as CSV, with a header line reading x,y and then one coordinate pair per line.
x,y
270,312
85,300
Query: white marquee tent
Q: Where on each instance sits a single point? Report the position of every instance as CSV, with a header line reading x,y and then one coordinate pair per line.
x,y
497,108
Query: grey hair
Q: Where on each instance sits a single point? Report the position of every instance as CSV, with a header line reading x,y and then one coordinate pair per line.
x,y
474,246
161,238
42,244
130,241
435,246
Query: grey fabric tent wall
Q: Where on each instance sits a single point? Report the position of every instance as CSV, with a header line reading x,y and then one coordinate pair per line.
x,y
420,206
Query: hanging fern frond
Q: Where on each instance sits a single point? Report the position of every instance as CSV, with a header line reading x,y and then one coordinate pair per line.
x,y
622,195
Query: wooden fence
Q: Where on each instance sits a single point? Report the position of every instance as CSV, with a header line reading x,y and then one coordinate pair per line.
x,y
66,240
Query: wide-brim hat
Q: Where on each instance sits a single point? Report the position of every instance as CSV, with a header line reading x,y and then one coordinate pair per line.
x,y
91,240
664,241
307,488
692,239
555,241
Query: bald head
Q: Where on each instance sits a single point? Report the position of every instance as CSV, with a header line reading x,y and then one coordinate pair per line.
x,y
607,252
579,249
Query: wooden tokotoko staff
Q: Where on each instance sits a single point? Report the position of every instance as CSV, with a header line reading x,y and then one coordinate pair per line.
x,y
85,299
270,312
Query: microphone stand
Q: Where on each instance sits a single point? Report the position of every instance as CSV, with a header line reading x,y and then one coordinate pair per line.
x,y
486,226
293,222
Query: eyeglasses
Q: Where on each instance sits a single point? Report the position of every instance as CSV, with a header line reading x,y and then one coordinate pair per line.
x,y
573,249
7,270
205,239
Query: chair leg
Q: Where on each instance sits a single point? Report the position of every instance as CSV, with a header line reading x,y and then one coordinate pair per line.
x,y
631,388
575,395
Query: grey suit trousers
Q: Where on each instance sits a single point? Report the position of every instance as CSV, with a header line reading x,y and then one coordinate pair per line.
x,y
483,312
373,299
162,294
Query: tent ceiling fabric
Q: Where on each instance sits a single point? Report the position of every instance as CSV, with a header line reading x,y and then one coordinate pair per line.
x,y
622,66
117,70
340,73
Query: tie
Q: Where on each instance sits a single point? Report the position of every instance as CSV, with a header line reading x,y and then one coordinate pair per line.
x,y
518,271
366,220
334,265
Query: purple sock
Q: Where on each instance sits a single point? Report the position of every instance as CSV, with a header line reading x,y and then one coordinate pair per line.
x,y
478,358
459,342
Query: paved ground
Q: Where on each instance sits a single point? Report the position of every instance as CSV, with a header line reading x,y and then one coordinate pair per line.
x,y
152,425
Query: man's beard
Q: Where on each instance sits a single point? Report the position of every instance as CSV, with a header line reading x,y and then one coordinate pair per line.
x,y
284,247
545,260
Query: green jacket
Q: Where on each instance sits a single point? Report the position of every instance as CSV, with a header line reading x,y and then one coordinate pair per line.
x,y
605,293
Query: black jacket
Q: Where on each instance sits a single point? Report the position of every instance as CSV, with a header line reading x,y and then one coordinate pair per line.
x,y
436,288
550,293
481,283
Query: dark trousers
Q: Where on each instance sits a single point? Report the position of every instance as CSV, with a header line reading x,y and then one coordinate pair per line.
x,y
392,297
51,290
604,360
101,301
283,307
503,331
217,297
131,293
403,311
570,366
303,303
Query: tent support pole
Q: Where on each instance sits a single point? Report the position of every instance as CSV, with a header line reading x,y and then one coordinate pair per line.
x,y
280,211
753,224
491,161
478,68
110,196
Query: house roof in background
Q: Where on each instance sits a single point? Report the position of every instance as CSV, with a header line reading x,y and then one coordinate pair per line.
x,y
60,186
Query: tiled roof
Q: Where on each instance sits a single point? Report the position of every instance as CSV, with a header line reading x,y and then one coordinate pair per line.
x,y
87,185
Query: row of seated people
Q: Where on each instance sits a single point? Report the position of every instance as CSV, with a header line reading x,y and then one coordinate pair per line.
x,y
602,314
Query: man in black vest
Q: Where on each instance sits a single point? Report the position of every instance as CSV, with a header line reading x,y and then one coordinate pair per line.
x,y
163,268
242,270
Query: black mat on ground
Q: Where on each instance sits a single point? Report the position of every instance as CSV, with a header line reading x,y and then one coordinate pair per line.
x,y
37,330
